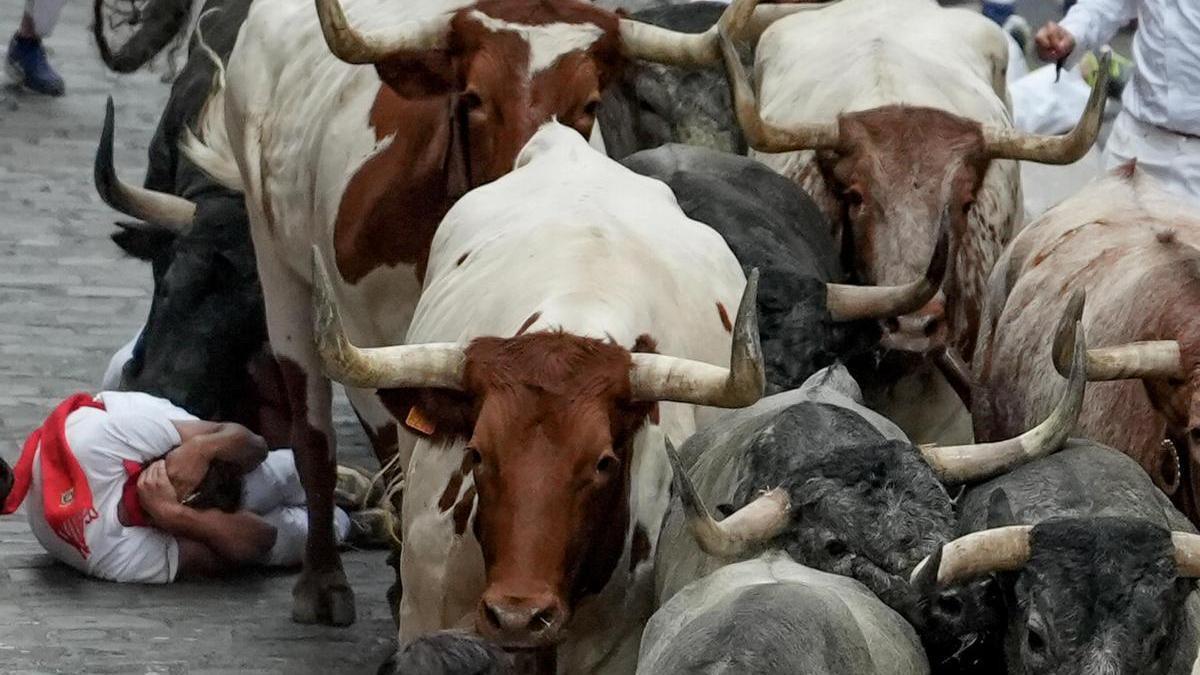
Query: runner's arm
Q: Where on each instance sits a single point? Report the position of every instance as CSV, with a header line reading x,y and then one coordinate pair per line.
x,y
226,441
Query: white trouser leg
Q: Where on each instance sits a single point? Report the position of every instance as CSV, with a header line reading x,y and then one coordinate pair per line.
x,y
1173,159
291,528
273,484
45,15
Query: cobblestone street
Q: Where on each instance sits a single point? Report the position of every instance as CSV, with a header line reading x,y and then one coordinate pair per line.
x,y
68,299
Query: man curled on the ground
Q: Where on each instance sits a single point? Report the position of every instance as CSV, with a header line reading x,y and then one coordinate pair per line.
x,y
127,487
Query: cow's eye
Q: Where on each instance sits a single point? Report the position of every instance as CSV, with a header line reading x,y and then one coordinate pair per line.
x,y
474,456
607,464
853,197
1035,640
591,107
470,100
967,206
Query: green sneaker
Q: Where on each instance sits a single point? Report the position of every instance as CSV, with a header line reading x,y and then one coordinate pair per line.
x,y
1120,70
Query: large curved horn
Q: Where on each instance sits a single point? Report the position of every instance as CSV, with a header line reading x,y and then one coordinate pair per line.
x,y
751,526
425,365
975,462
655,377
1001,549
1187,553
760,134
851,303
351,46
159,210
1012,143
662,45
1135,360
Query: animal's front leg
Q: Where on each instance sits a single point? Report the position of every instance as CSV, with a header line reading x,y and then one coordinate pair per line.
x,y
322,594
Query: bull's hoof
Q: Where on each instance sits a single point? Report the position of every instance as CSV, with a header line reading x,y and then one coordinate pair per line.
x,y
323,598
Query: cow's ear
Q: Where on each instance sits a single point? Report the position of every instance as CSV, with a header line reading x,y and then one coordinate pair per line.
x,y
431,412
421,74
141,243
1000,513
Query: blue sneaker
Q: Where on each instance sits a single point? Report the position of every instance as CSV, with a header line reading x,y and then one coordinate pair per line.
x,y
27,61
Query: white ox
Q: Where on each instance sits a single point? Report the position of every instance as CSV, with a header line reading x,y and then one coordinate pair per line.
x,y
535,494
356,135
1134,250
895,117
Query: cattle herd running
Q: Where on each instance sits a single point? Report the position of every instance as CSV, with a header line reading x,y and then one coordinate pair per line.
x,y
704,339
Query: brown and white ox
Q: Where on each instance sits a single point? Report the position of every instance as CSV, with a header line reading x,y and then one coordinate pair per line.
x,y
893,115
1134,250
537,487
359,141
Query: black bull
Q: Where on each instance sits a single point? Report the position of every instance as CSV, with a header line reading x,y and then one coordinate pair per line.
x,y
202,346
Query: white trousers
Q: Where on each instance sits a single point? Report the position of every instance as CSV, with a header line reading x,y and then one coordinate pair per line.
x,y
1173,159
44,14
273,491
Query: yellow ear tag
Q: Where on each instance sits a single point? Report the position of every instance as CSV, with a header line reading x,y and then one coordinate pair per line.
x,y
418,422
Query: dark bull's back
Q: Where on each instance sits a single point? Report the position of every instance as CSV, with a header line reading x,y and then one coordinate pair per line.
x,y
771,224
206,317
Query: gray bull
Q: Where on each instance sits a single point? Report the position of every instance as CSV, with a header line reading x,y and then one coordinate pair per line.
x,y
861,500
654,104
773,615
806,319
1094,563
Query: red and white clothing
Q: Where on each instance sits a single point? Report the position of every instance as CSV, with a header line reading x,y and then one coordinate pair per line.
x,y
110,444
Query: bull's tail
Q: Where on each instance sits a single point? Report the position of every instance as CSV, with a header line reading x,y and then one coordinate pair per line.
x,y
160,22
214,154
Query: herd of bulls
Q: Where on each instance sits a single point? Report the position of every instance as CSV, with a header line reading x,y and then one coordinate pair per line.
x,y
402,198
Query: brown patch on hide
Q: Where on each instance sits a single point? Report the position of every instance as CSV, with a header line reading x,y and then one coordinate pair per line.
x,y
529,322
725,322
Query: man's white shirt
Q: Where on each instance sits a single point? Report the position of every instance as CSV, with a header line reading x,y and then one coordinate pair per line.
x,y
134,427
1165,90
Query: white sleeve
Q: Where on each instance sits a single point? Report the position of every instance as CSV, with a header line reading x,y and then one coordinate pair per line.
x,y
139,426
1094,22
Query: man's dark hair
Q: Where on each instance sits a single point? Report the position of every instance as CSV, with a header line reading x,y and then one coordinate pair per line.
x,y
6,480
448,653
220,489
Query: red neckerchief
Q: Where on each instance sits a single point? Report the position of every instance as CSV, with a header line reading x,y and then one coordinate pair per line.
x,y
66,495
134,513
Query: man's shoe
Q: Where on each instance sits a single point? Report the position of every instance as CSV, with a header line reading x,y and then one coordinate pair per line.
x,y
353,488
28,64
373,528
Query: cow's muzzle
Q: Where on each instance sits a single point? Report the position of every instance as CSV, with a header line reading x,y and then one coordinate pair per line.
x,y
522,620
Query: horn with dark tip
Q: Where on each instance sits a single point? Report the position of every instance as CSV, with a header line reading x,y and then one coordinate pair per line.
x,y
851,303
760,134
924,575
160,211
1012,143
745,530
655,377
980,461
1002,549
352,46
662,45
957,373
1187,553
438,365
1135,360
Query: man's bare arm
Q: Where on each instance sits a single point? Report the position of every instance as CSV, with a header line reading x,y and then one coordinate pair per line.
x,y
226,441
238,538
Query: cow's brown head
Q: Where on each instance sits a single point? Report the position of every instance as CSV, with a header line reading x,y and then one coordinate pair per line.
x,y
549,420
505,67
897,170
